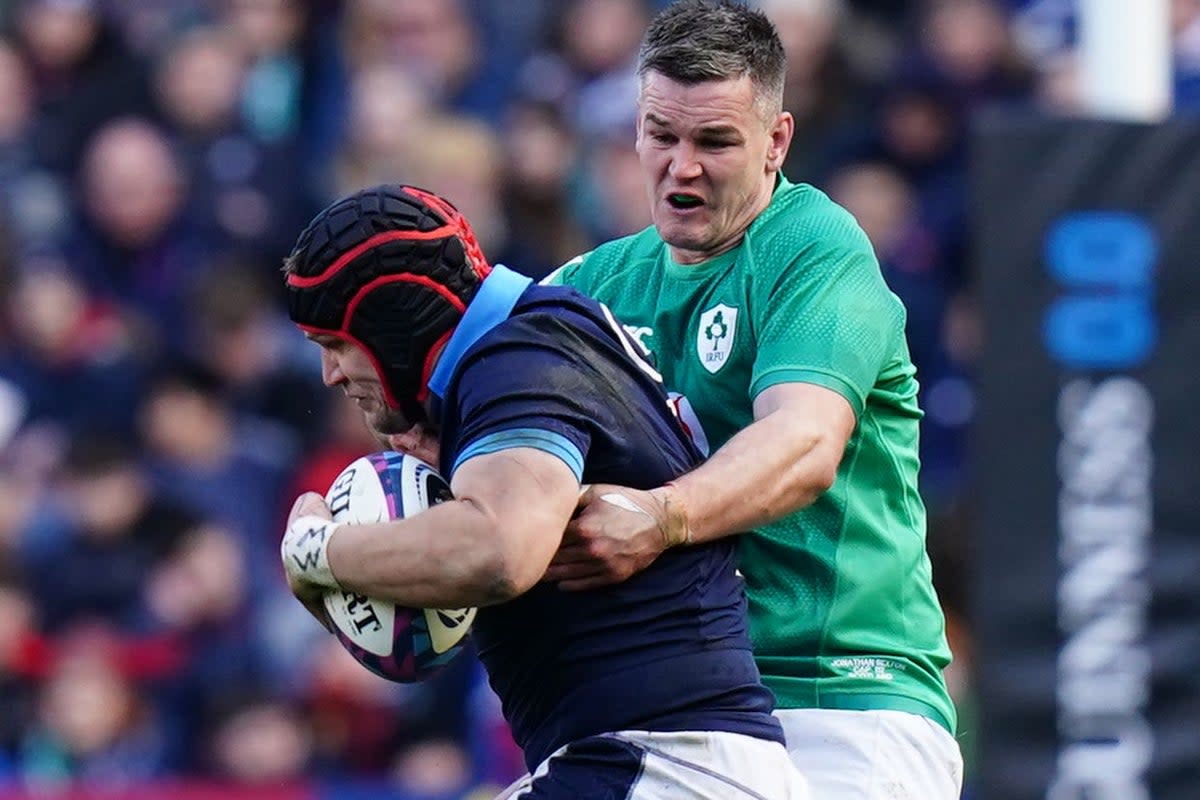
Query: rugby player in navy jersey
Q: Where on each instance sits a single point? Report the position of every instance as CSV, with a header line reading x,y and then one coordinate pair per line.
x,y
518,392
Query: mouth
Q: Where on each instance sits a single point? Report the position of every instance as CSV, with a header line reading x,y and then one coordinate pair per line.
x,y
684,201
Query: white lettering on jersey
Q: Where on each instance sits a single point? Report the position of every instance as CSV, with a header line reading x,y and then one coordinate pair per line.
x,y
627,342
639,334
632,336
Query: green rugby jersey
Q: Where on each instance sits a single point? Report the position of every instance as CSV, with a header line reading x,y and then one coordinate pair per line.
x,y
842,608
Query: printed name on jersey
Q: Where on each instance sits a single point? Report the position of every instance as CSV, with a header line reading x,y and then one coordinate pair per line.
x,y
714,336
872,668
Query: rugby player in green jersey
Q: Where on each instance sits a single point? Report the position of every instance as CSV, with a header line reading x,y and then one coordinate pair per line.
x,y
765,308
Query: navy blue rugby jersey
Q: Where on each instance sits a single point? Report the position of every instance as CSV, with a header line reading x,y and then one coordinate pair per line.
x,y
667,650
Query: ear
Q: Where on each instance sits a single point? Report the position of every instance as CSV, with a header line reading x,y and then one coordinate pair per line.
x,y
780,140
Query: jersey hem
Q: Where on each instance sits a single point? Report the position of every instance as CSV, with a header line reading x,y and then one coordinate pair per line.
x,y
827,380
873,701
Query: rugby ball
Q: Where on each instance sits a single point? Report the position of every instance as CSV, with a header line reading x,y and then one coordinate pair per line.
x,y
396,642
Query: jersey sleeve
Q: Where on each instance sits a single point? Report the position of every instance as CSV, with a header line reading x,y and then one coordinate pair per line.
x,y
824,315
515,394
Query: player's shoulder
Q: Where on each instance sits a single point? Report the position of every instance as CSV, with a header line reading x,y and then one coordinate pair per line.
x,y
540,317
803,221
608,261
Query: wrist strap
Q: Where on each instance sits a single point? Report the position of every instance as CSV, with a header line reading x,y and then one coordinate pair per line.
x,y
305,550
676,526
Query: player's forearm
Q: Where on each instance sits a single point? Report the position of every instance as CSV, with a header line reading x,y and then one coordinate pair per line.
x,y
446,557
771,468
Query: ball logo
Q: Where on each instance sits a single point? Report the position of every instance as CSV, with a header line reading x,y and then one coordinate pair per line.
x,y
367,622
340,492
362,613
447,626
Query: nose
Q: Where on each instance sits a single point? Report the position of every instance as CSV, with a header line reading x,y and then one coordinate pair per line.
x,y
684,164
331,371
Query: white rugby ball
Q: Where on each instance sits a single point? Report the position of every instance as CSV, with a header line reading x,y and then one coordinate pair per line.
x,y
397,642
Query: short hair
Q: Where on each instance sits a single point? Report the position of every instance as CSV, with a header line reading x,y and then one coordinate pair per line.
x,y
692,41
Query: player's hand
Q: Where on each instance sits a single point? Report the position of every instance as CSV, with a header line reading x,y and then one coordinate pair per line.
x,y
304,551
616,533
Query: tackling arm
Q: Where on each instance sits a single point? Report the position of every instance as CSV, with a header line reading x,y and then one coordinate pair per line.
x,y
782,461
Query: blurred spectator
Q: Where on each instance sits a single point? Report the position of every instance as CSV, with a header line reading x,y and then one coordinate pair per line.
x,y
614,201
90,552
92,723
244,190
259,741
365,724
136,247
821,89
460,159
33,203
198,82
83,72
264,367
912,262
16,687
588,68
540,157
270,33
205,456
969,45
1185,30
388,114
435,41
67,346
600,43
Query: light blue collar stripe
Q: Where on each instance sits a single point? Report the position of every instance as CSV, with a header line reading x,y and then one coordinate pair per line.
x,y
491,306
547,441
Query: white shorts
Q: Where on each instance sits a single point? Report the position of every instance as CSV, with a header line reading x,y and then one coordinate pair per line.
x,y
872,755
642,765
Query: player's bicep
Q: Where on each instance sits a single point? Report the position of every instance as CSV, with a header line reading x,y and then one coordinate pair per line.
x,y
823,415
527,496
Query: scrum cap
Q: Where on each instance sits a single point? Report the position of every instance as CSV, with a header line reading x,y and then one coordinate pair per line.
x,y
391,270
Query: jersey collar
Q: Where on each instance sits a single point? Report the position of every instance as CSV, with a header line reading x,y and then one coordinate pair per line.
x,y
492,304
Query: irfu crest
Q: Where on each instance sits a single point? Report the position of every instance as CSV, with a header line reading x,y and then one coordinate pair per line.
x,y
714,338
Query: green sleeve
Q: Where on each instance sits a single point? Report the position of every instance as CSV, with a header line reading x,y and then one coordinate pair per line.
x,y
826,317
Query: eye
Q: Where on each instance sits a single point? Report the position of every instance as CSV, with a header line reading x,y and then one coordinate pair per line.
x,y
662,137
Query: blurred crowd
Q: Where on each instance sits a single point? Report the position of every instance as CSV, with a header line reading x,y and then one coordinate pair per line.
x,y
158,413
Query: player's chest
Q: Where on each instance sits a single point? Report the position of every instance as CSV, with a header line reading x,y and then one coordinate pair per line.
x,y
703,344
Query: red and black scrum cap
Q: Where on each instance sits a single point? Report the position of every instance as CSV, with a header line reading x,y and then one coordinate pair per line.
x,y
390,269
